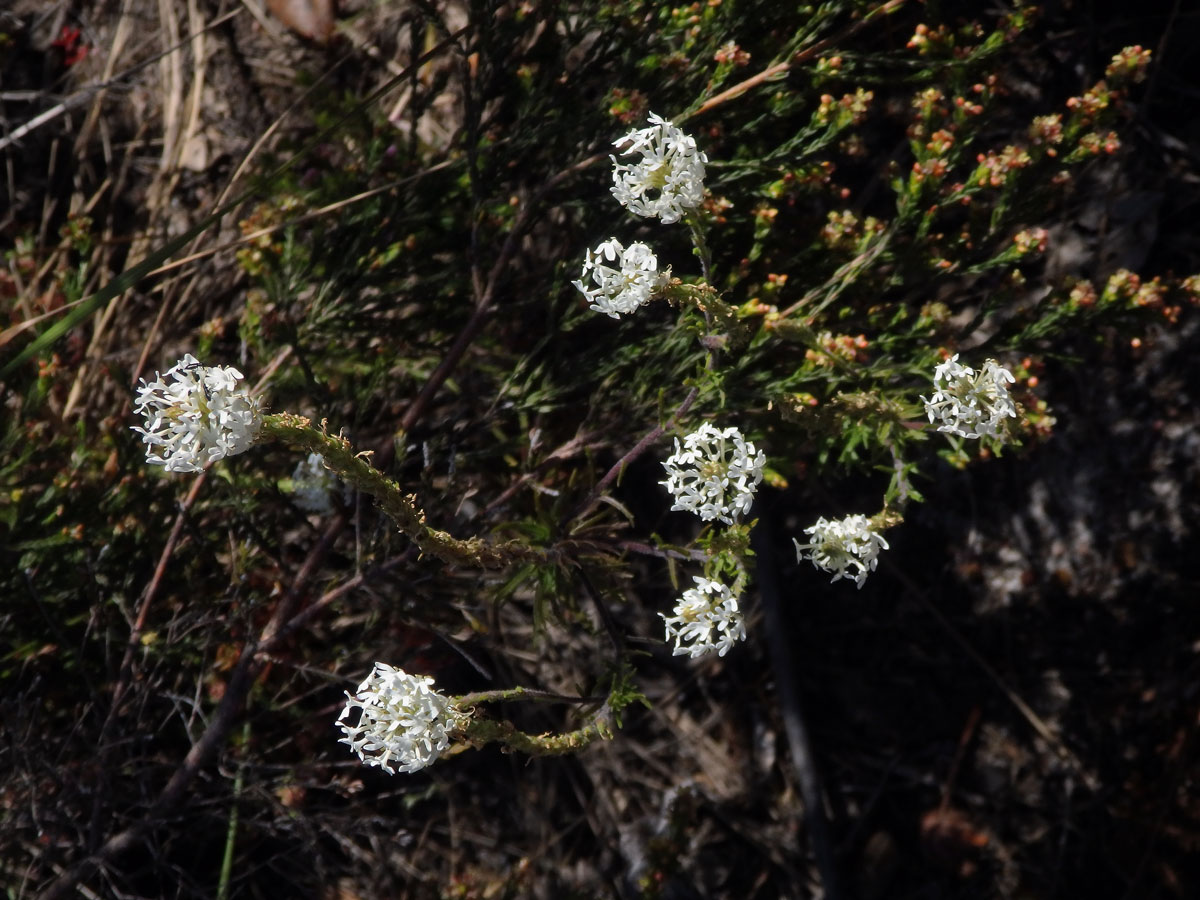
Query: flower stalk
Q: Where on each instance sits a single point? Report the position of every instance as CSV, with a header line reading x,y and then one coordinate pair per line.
x,y
479,732
355,469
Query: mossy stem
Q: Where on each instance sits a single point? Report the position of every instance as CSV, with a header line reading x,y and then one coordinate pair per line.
x,y
355,468
479,732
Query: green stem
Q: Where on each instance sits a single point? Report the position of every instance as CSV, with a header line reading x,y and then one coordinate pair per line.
x,y
479,732
298,432
231,830
718,315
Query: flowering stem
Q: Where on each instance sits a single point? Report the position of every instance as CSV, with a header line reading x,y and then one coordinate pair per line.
x,y
298,432
486,731
718,315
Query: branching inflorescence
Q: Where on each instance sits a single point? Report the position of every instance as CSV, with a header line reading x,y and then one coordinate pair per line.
x,y
399,722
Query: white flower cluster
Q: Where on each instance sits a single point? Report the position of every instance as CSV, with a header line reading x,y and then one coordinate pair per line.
x,y
195,414
847,547
707,618
714,474
968,404
312,485
667,180
403,725
624,287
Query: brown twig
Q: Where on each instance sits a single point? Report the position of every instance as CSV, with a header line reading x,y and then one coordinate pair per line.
x,y
306,615
565,451
148,596
800,748
638,449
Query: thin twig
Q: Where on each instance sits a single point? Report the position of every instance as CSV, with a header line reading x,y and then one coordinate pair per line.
x,y
483,305
306,615
779,68
125,672
299,220
661,553
650,438
148,596
565,451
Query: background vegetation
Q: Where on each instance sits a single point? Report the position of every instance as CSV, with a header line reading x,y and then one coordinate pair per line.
x,y
1006,709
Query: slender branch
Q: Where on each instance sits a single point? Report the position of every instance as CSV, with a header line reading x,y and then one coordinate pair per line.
x,y
125,672
806,54
483,303
147,598
339,456
845,276
309,612
615,635
647,550
486,731
571,448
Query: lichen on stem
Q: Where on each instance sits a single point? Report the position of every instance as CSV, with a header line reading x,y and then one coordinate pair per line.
x,y
479,732
355,468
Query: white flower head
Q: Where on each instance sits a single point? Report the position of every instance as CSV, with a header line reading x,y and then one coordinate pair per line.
x,y
968,404
714,474
403,724
195,414
848,547
707,618
312,485
627,285
668,178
